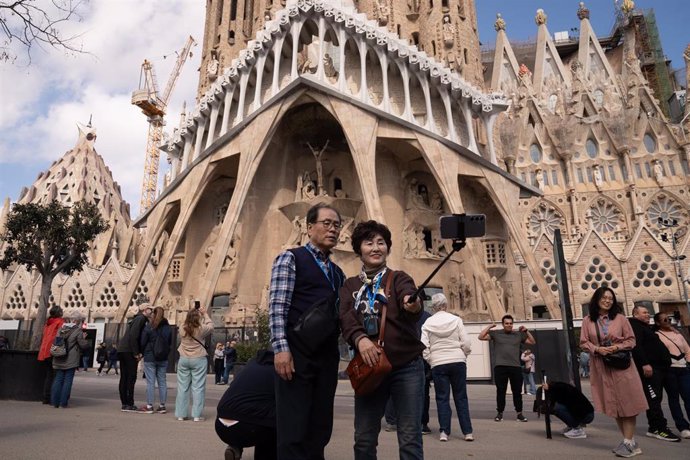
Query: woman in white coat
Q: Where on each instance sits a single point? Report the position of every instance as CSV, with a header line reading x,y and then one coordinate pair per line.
x,y
447,347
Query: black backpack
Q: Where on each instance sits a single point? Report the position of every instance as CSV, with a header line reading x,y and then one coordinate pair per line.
x,y
161,347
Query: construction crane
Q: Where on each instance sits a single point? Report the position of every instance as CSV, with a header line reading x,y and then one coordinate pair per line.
x,y
153,105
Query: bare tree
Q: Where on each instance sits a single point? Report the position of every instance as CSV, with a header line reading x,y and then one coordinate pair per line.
x,y
29,23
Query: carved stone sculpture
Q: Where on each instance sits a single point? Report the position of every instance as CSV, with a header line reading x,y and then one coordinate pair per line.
x,y
540,18
454,294
448,32
318,154
465,292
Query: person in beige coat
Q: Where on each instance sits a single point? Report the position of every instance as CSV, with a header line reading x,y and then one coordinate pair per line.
x,y
193,364
616,392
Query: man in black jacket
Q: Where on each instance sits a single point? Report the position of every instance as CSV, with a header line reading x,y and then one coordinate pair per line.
x,y
247,410
652,360
129,354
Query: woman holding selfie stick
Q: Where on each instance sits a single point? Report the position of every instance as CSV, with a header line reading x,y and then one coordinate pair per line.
x,y
362,300
193,364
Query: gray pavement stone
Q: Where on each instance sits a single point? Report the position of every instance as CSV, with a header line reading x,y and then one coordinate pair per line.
x,y
94,427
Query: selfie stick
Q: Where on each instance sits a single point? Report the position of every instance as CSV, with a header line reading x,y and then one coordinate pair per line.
x,y
457,245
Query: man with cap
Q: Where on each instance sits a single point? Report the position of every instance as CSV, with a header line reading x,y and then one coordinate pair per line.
x,y
129,354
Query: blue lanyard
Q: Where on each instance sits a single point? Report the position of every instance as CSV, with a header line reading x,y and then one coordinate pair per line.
x,y
371,295
325,269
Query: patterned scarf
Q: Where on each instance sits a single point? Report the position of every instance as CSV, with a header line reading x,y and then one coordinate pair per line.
x,y
371,282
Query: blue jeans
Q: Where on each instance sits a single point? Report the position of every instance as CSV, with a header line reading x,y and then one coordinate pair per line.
x,y
155,372
677,385
62,387
562,412
226,372
405,386
446,377
191,376
528,379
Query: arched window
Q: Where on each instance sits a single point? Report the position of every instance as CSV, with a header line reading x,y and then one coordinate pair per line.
x,y
592,148
535,153
649,143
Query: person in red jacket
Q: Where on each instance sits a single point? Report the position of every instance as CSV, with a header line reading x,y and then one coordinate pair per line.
x,y
50,330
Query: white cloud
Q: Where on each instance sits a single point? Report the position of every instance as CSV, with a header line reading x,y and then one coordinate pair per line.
x,y
42,102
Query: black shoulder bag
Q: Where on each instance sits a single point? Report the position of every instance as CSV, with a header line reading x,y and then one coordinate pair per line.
x,y
618,360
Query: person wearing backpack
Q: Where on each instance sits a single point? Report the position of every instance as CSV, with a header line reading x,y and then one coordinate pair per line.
x,y
66,350
50,330
156,340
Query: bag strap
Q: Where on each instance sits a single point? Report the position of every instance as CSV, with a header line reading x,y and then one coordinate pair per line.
x,y
389,281
200,343
672,341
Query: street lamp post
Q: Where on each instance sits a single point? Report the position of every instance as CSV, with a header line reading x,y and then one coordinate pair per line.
x,y
671,225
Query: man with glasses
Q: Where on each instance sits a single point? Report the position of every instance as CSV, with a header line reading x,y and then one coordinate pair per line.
x,y
306,380
507,365
652,360
129,353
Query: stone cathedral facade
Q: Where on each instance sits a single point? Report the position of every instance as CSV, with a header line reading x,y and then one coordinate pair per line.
x,y
389,110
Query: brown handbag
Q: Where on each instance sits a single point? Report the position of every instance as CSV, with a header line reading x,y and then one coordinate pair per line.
x,y
364,378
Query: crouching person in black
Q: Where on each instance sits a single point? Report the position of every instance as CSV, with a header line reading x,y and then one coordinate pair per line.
x,y
571,406
247,411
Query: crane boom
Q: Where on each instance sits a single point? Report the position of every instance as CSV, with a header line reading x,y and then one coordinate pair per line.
x,y
154,106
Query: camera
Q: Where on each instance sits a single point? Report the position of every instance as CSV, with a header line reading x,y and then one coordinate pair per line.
x,y
462,226
197,304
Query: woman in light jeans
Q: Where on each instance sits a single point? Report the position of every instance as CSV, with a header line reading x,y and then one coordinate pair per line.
x,y
193,363
155,367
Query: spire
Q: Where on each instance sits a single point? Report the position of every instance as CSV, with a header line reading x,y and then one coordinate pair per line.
x,y
500,23
582,11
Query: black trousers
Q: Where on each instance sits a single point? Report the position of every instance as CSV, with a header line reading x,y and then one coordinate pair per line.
x,y
48,381
503,374
128,377
218,368
653,391
427,387
242,435
304,405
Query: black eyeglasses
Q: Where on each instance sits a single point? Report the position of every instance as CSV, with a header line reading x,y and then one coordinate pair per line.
x,y
330,224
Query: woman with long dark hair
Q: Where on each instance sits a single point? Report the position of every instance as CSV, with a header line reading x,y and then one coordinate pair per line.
x,y
156,341
677,381
362,299
193,364
616,392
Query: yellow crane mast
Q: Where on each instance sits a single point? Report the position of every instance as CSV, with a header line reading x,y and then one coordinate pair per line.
x,y
154,105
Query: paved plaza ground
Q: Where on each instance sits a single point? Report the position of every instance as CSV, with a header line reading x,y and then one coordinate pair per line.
x,y
94,427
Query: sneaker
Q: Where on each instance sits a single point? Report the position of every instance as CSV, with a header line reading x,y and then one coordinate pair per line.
x,y
426,429
625,450
521,418
499,417
233,453
636,448
575,433
685,434
181,419
469,437
199,419
124,408
664,435
565,429
390,427
129,409
443,437
145,410
161,410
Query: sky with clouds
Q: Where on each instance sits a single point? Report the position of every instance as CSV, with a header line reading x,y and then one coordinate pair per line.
x,y
42,102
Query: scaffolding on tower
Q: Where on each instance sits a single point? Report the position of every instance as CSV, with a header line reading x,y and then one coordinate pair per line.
x,y
154,104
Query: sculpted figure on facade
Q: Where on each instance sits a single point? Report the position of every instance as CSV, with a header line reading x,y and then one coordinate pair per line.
x,y
454,294
509,301
415,199
413,6
329,69
382,11
499,290
318,156
540,18
212,68
598,182
448,30
658,172
465,293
